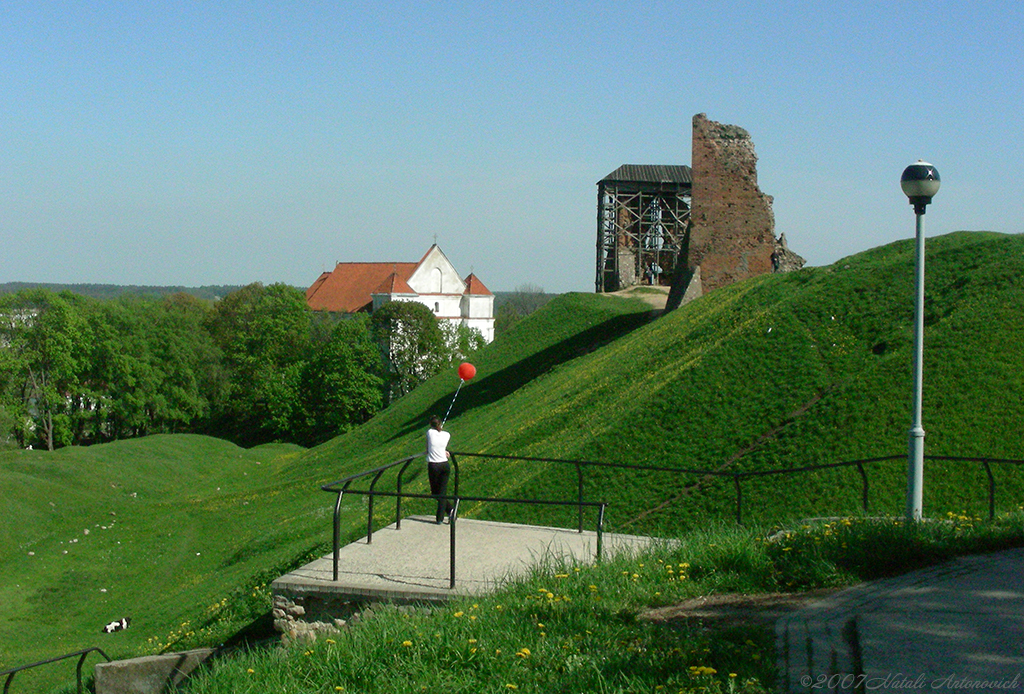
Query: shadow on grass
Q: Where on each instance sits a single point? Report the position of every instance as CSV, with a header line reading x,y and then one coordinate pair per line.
x,y
502,383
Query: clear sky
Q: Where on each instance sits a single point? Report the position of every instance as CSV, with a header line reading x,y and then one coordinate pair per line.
x,y
191,143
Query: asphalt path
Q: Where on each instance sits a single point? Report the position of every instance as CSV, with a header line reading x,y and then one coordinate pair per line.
x,y
958,626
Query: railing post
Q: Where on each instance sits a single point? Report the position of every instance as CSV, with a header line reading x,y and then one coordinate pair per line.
x,y
451,543
369,511
579,496
78,671
864,479
991,491
337,531
398,498
600,529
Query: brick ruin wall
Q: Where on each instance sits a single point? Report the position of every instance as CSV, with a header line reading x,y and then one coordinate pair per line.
x,y
732,234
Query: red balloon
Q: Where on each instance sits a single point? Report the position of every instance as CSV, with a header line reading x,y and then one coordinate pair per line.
x,y
466,371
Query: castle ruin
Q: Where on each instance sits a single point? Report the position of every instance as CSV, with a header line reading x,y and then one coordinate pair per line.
x,y
721,228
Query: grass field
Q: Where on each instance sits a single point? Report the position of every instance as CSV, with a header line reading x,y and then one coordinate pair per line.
x,y
183,533
583,628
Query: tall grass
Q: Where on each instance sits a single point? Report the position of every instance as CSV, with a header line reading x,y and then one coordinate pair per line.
x,y
578,628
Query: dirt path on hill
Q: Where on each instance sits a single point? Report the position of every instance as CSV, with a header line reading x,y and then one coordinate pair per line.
x,y
656,297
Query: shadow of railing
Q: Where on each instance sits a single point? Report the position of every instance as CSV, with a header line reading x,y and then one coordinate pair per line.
x,y
78,670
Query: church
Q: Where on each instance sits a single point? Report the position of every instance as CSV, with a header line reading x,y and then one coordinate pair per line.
x,y
433,281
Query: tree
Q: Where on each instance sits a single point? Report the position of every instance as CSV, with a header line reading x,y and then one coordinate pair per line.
x,y
264,335
341,383
412,342
460,341
48,339
149,369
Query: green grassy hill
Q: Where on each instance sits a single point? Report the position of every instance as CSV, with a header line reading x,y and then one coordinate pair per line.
x,y
779,371
184,532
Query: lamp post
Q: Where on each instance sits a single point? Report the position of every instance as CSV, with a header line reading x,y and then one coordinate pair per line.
x,y
920,182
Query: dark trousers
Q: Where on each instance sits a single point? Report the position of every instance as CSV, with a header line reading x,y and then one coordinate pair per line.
x,y
438,473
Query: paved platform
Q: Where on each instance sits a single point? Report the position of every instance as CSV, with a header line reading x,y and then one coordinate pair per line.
x,y
412,564
956,626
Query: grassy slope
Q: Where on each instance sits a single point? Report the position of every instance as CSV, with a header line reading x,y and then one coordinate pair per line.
x,y
796,369
156,529
185,532
808,367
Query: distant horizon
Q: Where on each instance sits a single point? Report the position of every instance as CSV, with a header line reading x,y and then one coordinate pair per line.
x,y
6,287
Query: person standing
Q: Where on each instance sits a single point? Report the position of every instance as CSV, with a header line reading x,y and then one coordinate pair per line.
x,y
438,468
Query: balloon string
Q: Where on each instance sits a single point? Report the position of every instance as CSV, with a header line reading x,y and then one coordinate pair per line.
x,y
452,402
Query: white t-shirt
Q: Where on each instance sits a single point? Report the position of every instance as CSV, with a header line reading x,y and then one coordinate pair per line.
x,y
437,445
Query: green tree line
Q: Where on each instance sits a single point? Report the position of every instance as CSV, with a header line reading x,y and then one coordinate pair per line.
x,y
254,367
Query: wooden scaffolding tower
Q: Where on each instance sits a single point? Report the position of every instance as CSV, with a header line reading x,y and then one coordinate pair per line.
x,y
642,213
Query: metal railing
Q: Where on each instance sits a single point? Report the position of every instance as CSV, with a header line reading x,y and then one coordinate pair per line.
x,y
738,477
78,670
344,486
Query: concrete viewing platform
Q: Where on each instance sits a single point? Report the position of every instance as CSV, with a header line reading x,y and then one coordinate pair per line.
x,y
411,564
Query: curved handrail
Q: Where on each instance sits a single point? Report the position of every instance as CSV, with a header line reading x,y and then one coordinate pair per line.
x,y
81,660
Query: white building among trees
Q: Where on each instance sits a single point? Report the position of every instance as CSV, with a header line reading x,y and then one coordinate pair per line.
x,y
433,282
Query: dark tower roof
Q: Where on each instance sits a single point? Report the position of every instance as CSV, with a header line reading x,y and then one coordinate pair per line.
x,y
651,173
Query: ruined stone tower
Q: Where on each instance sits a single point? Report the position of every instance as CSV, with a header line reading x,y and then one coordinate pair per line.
x,y
732,233
705,226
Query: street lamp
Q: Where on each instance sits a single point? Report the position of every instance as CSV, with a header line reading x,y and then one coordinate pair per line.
x,y
920,182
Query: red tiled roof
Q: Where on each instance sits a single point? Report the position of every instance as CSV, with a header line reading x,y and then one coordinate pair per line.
x,y
393,284
348,287
475,286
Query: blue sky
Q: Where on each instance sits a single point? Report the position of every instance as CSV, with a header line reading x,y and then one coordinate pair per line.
x,y
191,143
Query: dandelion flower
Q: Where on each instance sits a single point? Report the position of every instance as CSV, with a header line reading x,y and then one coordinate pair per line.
x,y
407,644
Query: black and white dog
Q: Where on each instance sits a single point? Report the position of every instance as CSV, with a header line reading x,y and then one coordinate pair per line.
x,y
117,626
